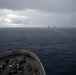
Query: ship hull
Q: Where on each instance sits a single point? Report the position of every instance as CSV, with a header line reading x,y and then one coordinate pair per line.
x,y
20,62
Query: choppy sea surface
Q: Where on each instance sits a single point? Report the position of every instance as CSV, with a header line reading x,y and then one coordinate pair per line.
x,y
56,48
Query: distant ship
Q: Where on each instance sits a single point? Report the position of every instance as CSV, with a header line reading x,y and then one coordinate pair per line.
x,y
48,27
54,27
21,62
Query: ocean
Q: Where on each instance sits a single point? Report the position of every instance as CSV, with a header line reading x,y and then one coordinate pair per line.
x,y
56,48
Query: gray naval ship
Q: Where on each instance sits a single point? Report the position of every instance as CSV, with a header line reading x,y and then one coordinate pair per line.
x,y
20,62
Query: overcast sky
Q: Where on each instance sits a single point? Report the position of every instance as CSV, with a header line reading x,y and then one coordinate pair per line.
x,y
37,13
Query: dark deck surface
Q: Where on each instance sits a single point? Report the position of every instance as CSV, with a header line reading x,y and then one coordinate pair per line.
x,y
18,64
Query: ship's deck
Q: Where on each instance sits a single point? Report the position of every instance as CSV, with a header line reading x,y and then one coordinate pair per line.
x,y
18,64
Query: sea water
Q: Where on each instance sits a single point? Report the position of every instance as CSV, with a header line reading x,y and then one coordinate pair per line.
x,y
56,48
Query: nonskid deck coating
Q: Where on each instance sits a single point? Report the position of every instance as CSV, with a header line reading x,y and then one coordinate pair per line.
x,y
26,71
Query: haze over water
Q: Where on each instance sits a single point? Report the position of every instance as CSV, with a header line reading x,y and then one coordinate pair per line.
x,y
56,48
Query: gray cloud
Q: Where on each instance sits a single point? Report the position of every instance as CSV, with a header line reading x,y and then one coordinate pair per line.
x,y
61,13
45,5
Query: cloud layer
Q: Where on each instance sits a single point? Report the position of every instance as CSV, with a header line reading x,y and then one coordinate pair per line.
x,y
59,6
37,13
24,18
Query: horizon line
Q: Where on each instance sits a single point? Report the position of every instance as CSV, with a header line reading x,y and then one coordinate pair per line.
x,y
38,27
